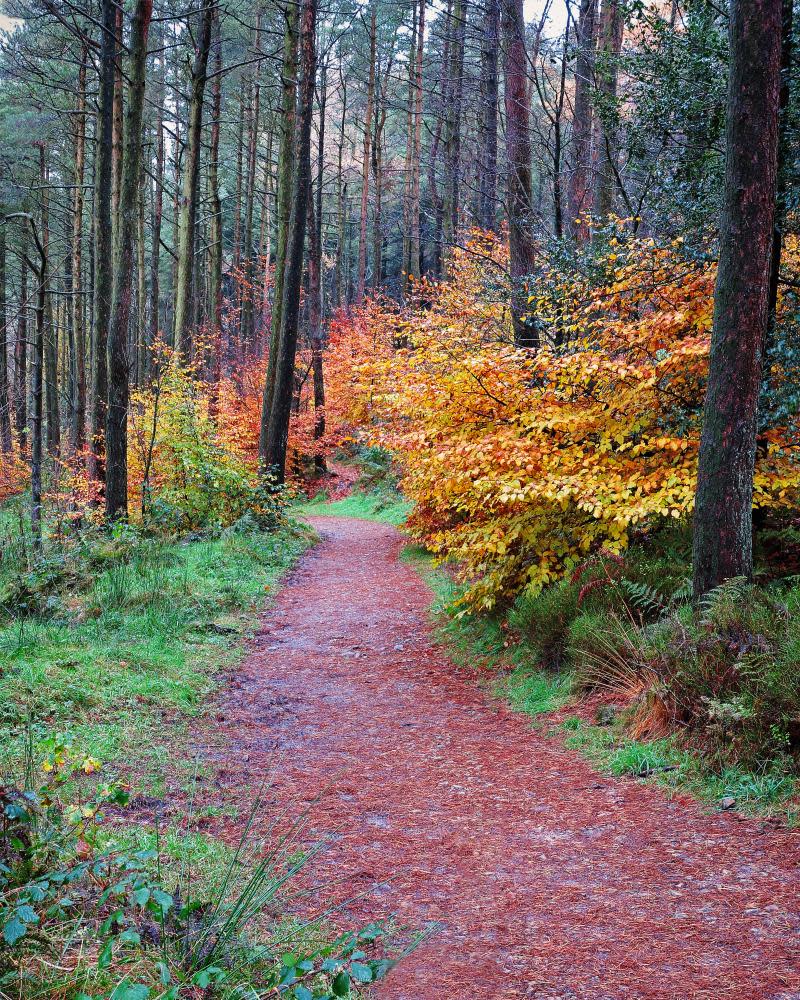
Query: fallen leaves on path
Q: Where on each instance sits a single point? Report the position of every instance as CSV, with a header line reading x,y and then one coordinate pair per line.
x,y
551,882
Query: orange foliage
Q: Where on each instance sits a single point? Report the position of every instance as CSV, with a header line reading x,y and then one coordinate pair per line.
x,y
520,463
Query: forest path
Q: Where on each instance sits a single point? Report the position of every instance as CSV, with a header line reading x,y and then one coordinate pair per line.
x,y
550,880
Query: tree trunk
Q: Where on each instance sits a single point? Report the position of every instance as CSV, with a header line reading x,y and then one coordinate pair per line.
x,y
361,280
189,185
5,399
118,386
487,183
723,542
103,263
275,427
215,242
249,269
412,240
558,115
341,195
37,397
315,329
381,113
117,139
284,206
78,430
51,329
452,126
157,211
611,29
21,351
518,157
579,185
784,150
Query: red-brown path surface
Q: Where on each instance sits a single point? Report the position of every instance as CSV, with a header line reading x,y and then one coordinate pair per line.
x,y
551,881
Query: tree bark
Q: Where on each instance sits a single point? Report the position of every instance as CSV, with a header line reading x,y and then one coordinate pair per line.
x,y
21,351
103,263
365,164
215,241
157,202
611,29
315,334
51,329
784,150
5,398
189,185
487,182
518,157
275,427
452,125
78,430
580,201
284,206
723,543
412,238
118,385
248,267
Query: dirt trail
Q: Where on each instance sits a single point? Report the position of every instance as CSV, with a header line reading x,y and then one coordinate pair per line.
x,y
551,881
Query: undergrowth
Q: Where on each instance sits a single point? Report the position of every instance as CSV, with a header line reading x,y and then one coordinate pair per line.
x,y
375,496
109,647
115,641
706,698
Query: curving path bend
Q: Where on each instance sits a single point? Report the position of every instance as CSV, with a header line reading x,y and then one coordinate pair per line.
x,y
552,882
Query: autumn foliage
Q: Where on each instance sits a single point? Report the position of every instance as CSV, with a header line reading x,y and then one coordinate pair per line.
x,y
521,463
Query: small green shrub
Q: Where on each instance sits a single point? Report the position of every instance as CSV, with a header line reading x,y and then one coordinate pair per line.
x,y
643,759
109,917
544,620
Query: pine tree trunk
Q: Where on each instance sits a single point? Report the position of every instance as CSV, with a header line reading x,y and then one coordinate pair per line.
x,y
248,300
518,157
580,201
51,329
723,542
157,201
284,206
341,195
611,29
78,430
487,183
189,185
103,263
118,386
361,280
21,352
784,152
117,133
215,241
452,128
411,215
5,399
275,428
315,329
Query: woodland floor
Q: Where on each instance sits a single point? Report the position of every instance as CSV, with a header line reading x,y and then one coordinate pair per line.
x,y
549,880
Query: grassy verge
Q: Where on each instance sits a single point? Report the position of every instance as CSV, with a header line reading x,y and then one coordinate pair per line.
x,y
121,655
486,641
554,629
109,651
374,505
673,766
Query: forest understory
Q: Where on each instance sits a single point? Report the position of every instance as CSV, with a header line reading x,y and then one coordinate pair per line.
x,y
399,499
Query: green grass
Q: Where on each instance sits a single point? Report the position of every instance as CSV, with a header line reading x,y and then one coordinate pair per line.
x,y
377,505
120,665
677,768
511,658
483,641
